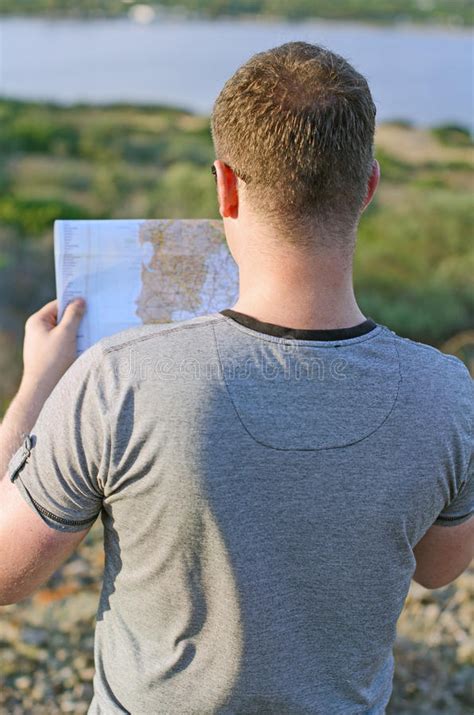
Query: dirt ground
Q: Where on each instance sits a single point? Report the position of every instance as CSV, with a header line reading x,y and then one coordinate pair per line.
x,y
46,645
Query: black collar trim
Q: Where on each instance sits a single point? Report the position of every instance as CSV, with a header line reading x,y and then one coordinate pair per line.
x,y
278,331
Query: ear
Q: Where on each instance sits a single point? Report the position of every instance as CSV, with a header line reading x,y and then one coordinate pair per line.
x,y
227,190
372,184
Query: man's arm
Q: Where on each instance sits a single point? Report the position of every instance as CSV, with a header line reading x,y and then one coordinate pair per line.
x,y
443,554
447,548
30,551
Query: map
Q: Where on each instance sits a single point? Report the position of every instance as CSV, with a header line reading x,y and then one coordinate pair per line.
x,y
134,272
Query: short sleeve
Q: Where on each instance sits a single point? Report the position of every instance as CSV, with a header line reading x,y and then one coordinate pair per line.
x,y
60,469
462,506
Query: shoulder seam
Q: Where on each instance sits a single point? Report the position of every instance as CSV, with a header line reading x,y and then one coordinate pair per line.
x,y
144,338
451,358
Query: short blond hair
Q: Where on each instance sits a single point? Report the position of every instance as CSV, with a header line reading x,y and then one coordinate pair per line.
x,y
296,123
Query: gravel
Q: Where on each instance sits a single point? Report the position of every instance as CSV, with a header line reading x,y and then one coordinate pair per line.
x,y
46,645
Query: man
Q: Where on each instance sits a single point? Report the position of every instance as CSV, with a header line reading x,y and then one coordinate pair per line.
x,y
269,478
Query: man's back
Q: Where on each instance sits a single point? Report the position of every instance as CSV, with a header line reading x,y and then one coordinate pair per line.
x,y
261,497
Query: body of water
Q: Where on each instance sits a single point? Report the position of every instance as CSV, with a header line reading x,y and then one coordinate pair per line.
x,y
423,75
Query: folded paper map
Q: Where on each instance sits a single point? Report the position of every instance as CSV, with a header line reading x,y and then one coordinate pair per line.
x,y
132,272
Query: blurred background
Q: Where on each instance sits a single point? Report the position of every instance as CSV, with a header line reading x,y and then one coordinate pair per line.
x,y
104,113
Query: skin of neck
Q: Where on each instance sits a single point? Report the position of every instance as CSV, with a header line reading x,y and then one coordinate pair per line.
x,y
281,282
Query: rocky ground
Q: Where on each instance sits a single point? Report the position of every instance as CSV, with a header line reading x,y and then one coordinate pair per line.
x,y
46,645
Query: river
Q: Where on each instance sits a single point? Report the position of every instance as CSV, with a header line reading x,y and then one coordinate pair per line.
x,y
423,75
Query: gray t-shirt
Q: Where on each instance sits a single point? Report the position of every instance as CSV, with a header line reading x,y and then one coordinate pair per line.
x,y
261,496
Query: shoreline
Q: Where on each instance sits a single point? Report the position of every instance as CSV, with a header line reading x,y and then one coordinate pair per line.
x,y
401,122
403,24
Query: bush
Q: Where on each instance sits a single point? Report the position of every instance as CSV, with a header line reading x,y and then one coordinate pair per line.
x,y
31,217
414,265
393,169
38,134
453,135
184,190
190,147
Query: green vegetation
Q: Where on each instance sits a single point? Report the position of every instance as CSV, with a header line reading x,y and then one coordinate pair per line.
x,y
414,259
415,264
453,135
439,11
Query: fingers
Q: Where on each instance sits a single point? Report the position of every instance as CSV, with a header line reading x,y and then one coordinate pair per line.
x,y
48,315
48,309
73,314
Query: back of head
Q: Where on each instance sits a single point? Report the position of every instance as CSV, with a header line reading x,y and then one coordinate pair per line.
x,y
296,123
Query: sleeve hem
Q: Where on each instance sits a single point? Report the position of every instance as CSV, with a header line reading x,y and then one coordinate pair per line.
x,y
453,520
59,523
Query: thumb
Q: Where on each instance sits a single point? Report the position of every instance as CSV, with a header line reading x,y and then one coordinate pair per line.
x,y
73,314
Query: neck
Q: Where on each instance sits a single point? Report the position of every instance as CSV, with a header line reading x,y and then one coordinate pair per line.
x,y
313,292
